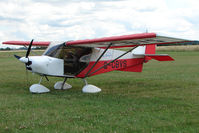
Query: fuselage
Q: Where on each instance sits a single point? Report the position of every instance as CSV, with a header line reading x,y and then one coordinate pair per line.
x,y
62,61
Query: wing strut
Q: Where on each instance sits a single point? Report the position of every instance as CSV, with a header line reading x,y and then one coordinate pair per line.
x,y
87,74
113,60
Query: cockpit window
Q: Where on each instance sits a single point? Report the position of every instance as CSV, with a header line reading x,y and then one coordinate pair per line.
x,y
85,58
75,58
54,50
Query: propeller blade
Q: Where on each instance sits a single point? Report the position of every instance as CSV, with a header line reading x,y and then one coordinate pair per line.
x,y
29,49
16,56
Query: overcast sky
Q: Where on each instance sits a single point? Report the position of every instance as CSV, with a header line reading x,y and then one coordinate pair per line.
x,y
48,20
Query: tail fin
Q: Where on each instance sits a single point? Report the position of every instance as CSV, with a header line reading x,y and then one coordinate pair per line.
x,y
144,54
150,49
150,54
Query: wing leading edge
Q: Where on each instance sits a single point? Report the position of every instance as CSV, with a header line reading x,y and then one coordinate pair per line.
x,y
26,43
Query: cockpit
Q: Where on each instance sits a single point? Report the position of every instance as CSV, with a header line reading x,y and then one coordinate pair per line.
x,y
75,58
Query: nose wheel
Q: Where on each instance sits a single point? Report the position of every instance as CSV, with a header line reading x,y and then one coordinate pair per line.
x,y
38,88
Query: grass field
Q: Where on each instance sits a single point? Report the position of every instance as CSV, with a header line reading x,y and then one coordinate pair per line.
x,y
163,98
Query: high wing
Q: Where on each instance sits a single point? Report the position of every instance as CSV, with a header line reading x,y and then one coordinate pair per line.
x,y
114,41
26,43
126,41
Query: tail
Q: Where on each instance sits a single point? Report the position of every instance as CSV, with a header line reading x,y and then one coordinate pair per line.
x,y
149,54
144,54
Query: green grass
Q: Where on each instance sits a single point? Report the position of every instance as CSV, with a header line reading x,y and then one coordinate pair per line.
x,y
163,98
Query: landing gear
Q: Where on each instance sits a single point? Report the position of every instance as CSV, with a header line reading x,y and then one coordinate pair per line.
x,y
62,85
90,88
38,88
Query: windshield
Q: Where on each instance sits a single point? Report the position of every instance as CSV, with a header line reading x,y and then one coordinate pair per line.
x,y
53,51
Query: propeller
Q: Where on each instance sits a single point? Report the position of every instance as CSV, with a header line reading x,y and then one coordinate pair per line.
x,y
26,59
29,62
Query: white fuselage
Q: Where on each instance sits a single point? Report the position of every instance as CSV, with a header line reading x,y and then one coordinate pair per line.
x,y
46,65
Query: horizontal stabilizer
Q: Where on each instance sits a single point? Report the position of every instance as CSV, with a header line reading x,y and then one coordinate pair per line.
x,y
158,57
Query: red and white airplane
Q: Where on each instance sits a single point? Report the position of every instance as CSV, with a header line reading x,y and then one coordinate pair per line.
x,y
85,58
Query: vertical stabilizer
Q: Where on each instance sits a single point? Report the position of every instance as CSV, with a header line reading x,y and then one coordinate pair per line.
x,y
150,49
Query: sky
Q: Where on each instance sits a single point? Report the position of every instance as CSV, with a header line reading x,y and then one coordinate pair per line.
x,y
63,20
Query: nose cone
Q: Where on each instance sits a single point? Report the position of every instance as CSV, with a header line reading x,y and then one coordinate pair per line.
x,y
24,59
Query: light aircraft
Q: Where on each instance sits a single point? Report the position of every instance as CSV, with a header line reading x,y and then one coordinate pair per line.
x,y
85,58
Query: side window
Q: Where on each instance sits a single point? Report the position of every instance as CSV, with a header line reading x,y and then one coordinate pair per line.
x,y
85,58
76,59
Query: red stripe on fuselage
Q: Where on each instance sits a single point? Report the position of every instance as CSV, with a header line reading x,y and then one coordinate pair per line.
x,y
119,64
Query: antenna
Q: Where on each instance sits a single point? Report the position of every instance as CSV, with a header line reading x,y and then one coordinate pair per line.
x,y
146,30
